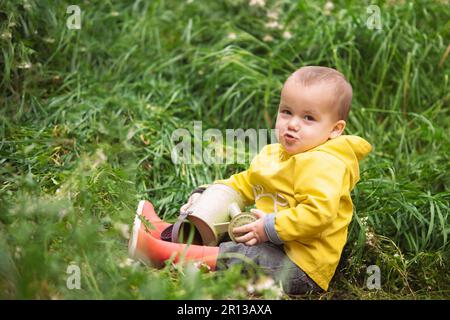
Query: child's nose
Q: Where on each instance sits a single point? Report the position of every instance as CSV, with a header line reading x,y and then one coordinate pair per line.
x,y
294,124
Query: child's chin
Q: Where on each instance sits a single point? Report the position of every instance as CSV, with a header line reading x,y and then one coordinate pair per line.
x,y
292,149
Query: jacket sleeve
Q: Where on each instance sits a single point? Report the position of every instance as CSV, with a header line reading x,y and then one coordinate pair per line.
x,y
241,183
317,189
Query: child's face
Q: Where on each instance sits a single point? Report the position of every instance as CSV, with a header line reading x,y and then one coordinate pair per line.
x,y
307,116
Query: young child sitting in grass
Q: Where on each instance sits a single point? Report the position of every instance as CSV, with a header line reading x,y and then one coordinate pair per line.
x,y
301,188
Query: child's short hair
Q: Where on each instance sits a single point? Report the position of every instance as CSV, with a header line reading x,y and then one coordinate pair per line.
x,y
314,74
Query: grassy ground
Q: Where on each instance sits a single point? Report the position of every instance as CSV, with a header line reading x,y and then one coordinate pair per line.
x,y
86,118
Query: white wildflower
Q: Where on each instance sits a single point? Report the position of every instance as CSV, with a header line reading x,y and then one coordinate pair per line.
x,y
49,40
364,221
268,38
273,15
258,3
201,266
277,291
24,65
232,36
18,252
123,228
126,263
273,25
370,238
287,35
329,6
250,288
6,35
264,283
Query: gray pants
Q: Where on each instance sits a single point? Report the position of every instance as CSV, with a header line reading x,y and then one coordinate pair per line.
x,y
272,260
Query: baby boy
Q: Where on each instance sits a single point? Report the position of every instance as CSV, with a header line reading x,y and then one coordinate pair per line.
x,y
300,186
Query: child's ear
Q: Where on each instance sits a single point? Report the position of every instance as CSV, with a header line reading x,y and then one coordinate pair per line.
x,y
337,129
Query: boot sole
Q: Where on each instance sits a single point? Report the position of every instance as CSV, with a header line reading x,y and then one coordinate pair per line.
x,y
136,227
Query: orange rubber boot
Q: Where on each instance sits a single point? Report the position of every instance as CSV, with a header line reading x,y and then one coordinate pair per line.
x,y
153,250
157,225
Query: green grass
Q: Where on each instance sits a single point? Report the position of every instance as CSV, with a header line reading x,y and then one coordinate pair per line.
x,y
86,118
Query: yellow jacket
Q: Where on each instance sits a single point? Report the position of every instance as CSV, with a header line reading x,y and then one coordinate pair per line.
x,y
308,198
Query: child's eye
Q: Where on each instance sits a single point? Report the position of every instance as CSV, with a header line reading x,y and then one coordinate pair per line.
x,y
286,111
309,118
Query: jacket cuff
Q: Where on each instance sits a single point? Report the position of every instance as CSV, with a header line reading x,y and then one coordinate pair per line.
x,y
269,227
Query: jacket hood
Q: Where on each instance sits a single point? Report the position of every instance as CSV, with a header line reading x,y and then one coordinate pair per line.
x,y
350,149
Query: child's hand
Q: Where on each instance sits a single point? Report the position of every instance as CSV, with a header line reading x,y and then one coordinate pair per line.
x,y
194,197
254,232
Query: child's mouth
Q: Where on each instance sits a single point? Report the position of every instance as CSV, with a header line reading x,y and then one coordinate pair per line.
x,y
289,138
